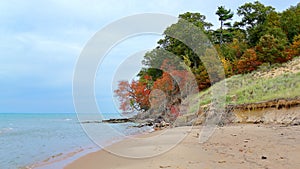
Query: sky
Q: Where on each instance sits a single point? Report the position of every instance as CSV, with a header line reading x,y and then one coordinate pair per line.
x,y
40,42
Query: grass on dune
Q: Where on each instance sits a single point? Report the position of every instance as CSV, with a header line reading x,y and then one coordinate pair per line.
x,y
248,88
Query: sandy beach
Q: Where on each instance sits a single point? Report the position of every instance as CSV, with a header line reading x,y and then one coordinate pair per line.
x,y
235,146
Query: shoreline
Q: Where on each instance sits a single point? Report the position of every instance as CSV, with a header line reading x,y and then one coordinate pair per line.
x,y
231,146
63,159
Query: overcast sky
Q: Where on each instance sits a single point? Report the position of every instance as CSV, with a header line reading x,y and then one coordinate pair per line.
x,y
40,42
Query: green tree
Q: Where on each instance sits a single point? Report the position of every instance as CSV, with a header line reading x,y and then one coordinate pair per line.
x,y
290,22
149,75
197,19
178,48
253,14
224,15
253,17
272,26
234,50
155,57
270,49
188,34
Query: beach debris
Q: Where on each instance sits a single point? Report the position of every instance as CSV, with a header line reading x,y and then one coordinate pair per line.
x,y
193,162
263,157
143,124
160,123
222,161
167,166
247,140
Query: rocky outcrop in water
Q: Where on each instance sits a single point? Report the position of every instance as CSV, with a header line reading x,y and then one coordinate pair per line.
x,y
118,120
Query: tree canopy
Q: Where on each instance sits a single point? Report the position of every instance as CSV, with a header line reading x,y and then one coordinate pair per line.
x,y
261,36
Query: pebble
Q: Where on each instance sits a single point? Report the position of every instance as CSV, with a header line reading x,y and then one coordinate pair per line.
x,y
263,157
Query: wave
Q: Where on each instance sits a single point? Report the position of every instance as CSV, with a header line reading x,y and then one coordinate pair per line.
x,y
62,159
5,130
68,119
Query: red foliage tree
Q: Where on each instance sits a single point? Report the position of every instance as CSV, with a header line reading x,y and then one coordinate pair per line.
x,y
248,62
124,94
133,96
174,78
165,83
140,95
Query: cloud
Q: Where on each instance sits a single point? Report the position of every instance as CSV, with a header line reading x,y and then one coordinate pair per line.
x,y
33,55
41,40
46,44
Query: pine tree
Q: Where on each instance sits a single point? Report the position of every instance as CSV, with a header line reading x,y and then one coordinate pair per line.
x,y
224,15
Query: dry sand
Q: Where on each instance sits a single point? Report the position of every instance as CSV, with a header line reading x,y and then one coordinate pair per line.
x,y
237,146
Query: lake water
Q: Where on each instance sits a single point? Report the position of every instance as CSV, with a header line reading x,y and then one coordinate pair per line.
x,y
27,138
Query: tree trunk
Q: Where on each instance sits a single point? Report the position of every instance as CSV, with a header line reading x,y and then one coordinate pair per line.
x,y
221,36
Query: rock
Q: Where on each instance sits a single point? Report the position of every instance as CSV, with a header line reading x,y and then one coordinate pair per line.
x,y
263,157
246,140
223,161
143,125
162,124
124,120
159,119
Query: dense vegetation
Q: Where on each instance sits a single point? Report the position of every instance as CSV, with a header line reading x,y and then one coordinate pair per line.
x,y
267,83
262,37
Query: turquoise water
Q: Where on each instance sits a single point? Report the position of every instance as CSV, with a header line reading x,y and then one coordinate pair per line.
x,y
27,139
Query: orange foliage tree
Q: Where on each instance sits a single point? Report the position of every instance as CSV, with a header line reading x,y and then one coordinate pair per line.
x,y
248,62
124,94
294,48
133,96
136,95
165,83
